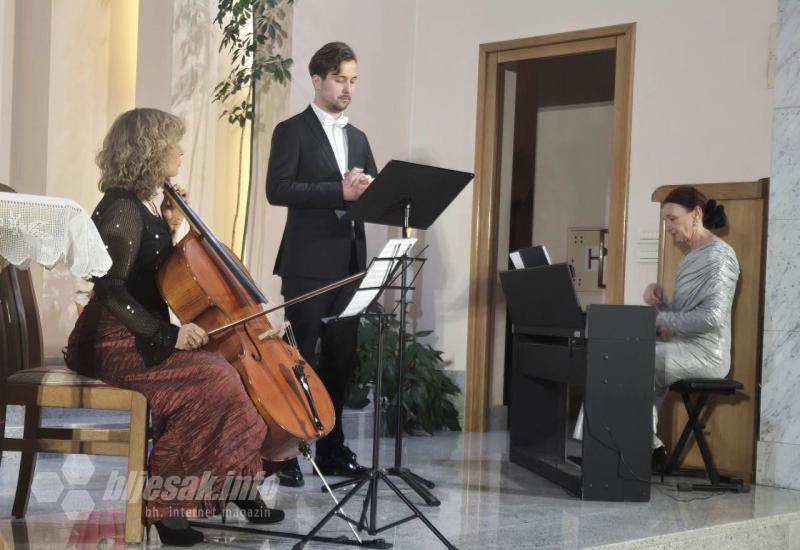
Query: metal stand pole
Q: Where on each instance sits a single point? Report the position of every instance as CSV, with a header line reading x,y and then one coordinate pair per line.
x,y
419,484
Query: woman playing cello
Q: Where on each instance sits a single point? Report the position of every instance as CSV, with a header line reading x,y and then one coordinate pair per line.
x,y
203,421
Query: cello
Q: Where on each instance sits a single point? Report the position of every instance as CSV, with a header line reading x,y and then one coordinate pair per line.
x,y
204,283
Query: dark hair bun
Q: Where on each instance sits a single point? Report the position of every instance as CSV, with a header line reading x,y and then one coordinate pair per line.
x,y
714,215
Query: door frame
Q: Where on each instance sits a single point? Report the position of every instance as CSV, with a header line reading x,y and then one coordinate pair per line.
x,y
486,187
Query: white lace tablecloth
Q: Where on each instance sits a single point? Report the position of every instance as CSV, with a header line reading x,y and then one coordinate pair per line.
x,y
50,231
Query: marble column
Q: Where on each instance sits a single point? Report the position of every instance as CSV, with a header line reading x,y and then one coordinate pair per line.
x,y
778,461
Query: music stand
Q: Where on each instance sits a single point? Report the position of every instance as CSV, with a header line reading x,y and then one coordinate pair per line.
x,y
382,275
406,195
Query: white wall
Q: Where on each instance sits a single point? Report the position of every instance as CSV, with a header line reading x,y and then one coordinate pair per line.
x,y
6,81
29,126
92,69
154,73
73,67
701,113
573,169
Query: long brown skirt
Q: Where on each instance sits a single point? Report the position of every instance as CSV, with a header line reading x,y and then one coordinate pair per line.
x,y
207,434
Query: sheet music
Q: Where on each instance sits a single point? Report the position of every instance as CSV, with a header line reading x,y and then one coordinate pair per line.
x,y
516,260
532,256
377,275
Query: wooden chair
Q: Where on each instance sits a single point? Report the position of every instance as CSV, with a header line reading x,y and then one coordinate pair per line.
x,y
32,385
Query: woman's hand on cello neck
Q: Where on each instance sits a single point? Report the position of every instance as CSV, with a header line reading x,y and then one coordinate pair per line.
x,y
171,213
191,336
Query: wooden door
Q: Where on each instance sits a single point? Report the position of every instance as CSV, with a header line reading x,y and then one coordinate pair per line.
x,y
732,422
485,209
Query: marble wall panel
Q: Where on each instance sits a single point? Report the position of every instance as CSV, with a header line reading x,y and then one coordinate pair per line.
x,y
778,464
787,70
784,193
778,449
782,288
780,378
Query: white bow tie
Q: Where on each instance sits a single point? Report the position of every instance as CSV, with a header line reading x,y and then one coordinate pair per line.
x,y
340,122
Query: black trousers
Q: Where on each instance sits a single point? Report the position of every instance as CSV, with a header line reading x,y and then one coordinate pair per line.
x,y
338,340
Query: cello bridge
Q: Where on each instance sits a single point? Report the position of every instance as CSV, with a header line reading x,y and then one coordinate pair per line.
x,y
278,331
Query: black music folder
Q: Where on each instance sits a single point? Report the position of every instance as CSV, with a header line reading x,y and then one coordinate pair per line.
x,y
427,189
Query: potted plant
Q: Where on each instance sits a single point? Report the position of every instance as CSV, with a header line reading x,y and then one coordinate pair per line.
x,y
427,390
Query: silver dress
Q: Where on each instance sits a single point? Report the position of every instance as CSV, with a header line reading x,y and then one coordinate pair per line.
x,y
698,319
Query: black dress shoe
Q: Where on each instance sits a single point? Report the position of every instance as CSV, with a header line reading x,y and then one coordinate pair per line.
x,y
290,475
659,459
340,461
178,537
257,512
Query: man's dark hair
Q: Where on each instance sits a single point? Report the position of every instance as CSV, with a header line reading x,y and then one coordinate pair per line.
x,y
328,58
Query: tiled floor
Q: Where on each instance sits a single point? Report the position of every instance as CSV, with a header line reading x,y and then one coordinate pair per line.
x,y
487,503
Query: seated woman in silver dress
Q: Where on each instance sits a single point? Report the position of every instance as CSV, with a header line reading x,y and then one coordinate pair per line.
x,y
695,325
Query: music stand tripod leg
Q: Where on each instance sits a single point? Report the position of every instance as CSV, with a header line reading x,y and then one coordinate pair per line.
x,y
418,484
419,479
417,513
332,512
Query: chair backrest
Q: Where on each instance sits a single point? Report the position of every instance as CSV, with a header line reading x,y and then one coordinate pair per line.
x,y
21,344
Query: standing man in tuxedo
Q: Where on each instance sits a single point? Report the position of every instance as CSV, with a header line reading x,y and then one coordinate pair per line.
x,y
318,164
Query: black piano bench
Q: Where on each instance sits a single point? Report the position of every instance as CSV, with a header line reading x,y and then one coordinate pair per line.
x,y
701,389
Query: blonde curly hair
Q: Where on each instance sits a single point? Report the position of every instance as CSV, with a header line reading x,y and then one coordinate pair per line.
x,y
135,151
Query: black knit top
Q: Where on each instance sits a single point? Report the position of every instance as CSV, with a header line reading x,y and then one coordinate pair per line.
x,y
138,241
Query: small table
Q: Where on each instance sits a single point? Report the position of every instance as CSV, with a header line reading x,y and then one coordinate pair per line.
x,y
50,231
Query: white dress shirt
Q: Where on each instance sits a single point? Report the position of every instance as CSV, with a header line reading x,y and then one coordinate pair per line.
x,y
334,129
